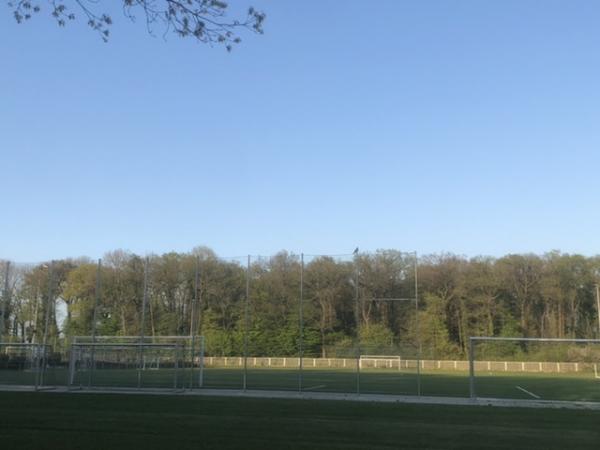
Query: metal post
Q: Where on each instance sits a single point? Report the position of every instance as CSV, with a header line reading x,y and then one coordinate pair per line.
x,y
417,327
5,300
178,354
49,300
94,320
72,361
201,363
598,306
246,325
97,299
357,301
471,368
143,323
193,322
301,314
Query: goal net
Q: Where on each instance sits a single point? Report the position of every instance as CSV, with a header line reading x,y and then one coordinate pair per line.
x,y
132,362
534,368
26,365
380,362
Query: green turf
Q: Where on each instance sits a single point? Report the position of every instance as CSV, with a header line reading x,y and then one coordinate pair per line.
x,y
547,386
571,387
88,421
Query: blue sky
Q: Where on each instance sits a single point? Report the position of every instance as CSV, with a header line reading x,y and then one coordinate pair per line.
x,y
462,126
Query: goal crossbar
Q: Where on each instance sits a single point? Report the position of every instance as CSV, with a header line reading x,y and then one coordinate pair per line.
x,y
188,352
34,359
375,358
516,339
124,345
100,338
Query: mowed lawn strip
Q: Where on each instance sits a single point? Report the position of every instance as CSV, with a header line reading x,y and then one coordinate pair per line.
x,y
548,386
100,421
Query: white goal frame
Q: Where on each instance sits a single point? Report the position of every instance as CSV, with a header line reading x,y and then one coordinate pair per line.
x,y
37,356
191,347
387,358
475,339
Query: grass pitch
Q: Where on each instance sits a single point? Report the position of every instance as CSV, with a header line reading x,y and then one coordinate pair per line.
x,y
545,386
100,421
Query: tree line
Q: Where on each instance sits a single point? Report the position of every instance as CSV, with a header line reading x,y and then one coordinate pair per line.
x,y
327,305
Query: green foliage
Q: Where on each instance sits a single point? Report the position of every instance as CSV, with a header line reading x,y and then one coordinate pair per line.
x,y
375,338
433,330
219,341
551,295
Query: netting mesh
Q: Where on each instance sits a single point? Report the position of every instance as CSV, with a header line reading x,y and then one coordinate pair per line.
x,y
127,366
132,361
27,365
548,369
285,321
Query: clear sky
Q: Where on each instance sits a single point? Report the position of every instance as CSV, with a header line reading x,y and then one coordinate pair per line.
x,y
463,126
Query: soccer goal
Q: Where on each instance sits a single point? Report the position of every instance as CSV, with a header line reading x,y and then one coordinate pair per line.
x,y
380,362
25,364
132,362
552,369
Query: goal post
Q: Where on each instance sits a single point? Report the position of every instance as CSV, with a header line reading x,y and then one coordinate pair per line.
x,y
24,364
380,362
135,362
534,368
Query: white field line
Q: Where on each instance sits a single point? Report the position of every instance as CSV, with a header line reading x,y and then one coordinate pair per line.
x,y
580,405
527,392
320,386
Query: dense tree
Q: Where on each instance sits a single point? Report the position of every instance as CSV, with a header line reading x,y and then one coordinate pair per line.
x,y
433,332
329,300
550,295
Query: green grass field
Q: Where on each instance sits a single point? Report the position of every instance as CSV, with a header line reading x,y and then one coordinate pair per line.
x,y
100,421
547,386
572,387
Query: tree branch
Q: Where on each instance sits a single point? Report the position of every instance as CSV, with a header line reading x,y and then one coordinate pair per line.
x,y
202,20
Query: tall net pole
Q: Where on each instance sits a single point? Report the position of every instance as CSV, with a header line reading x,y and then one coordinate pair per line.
x,y
417,327
301,324
194,322
95,320
598,306
358,320
246,324
471,368
97,299
142,324
5,299
49,301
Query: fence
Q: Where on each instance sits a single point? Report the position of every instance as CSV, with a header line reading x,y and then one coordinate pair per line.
x,y
395,363
32,365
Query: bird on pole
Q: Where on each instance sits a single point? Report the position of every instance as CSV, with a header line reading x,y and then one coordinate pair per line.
x,y
355,252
